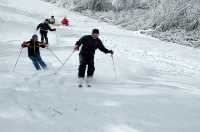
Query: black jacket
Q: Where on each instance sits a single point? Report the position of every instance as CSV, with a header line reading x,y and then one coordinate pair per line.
x,y
44,27
89,45
33,48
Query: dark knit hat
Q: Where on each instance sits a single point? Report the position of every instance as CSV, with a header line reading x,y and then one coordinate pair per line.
x,y
95,31
35,36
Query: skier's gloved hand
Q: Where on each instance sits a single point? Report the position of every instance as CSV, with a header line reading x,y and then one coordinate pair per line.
x,y
43,45
24,45
54,29
76,48
111,52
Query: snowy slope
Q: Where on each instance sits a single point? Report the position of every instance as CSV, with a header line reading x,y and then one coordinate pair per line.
x,y
156,89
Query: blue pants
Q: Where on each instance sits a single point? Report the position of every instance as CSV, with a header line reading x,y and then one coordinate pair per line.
x,y
37,62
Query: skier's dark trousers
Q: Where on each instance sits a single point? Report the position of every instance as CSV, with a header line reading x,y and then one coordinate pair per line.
x,y
34,52
44,27
89,45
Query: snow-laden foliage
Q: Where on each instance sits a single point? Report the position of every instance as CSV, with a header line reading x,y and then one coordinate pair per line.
x,y
166,14
99,5
179,19
95,5
177,14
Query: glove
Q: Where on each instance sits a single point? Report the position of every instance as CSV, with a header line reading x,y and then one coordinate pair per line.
x,y
76,48
54,29
43,45
24,45
111,52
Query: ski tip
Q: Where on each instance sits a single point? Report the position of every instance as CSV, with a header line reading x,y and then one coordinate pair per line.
x,y
89,86
80,85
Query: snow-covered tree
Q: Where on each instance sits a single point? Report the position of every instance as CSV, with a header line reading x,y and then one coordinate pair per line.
x,y
177,14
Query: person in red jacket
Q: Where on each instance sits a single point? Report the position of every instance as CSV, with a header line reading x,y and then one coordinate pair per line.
x,y
65,21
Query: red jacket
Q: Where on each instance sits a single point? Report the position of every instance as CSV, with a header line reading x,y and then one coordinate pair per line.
x,y
65,21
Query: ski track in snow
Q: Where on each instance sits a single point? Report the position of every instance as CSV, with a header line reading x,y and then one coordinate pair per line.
x,y
156,89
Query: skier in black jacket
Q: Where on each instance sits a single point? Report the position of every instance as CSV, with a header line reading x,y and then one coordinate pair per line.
x,y
34,52
86,56
44,27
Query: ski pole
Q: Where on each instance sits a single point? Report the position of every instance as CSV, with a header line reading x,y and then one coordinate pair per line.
x,y
57,41
114,67
55,55
64,62
17,59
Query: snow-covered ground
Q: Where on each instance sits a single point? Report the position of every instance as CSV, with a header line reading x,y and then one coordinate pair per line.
x,y
156,88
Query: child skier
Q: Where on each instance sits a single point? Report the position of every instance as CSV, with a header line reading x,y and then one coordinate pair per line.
x,y
34,52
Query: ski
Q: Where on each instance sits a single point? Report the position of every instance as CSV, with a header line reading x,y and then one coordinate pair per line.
x,y
88,82
80,82
80,85
85,83
89,85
